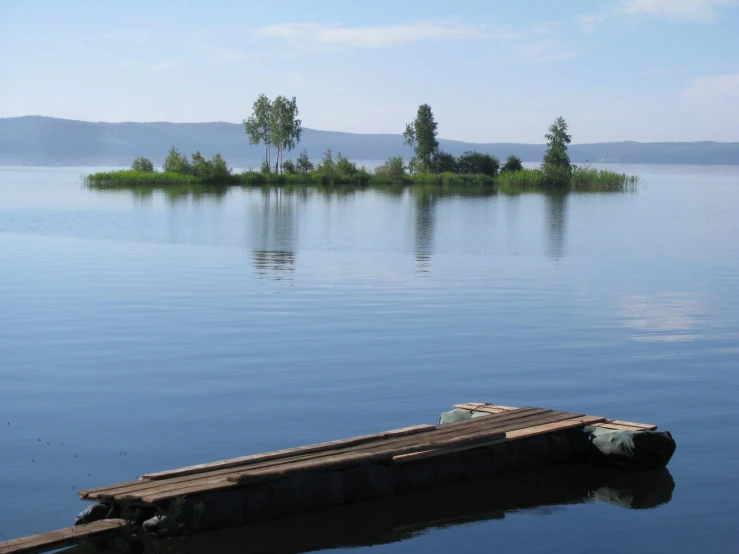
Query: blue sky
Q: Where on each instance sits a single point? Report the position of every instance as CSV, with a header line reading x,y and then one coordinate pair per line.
x,y
493,71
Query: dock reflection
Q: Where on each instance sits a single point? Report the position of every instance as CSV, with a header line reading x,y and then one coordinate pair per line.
x,y
399,518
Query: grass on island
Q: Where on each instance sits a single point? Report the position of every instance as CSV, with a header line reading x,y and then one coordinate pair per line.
x,y
582,179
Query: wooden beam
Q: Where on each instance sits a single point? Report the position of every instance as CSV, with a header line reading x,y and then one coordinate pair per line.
x,y
645,426
287,453
61,538
511,435
487,408
352,459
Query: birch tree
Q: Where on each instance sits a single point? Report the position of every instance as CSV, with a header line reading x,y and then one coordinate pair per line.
x,y
259,126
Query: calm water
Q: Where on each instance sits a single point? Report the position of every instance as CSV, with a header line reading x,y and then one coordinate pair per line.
x,y
143,332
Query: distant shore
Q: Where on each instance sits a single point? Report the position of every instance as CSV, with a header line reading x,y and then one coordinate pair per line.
x,y
45,140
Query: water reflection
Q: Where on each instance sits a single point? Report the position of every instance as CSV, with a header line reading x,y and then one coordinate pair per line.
x,y
425,202
556,220
540,492
272,224
664,317
274,234
274,264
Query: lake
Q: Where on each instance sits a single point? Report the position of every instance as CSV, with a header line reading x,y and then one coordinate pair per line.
x,y
145,331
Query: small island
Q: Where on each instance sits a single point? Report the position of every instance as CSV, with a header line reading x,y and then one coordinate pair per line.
x,y
274,123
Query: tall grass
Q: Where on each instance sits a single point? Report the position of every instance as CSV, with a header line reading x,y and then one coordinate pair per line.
x,y
128,178
520,181
589,178
583,178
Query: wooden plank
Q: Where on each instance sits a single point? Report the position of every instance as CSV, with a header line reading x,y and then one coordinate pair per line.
x,y
61,538
192,472
129,490
92,494
488,408
287,453
610,423
146,488
221,482
290,470
511,435
355,460
619,427
553,427
645,426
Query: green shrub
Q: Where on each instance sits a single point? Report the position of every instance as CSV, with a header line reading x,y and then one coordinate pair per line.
x,y
176,162
478,163
512,163
142,164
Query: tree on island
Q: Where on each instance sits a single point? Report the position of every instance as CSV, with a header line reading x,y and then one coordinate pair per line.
x,y
344,167
443,162
142,164
259,126
176,162
478,163
394,167
420,135
304,165
286,127
288,166
214,170
274,123
556,164
512,163
327,166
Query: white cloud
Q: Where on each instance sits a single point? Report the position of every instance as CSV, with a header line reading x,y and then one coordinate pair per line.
x,y
683,10
536,51
302,35
222,56
698,11
540,51
151,66
127,35
713,90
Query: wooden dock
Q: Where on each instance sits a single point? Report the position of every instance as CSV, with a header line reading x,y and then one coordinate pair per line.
x,y
384,451
398,446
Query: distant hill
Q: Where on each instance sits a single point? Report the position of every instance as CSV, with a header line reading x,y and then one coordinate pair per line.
x,y
50,141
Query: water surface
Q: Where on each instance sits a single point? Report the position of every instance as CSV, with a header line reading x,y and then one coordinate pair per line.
x,y
144,331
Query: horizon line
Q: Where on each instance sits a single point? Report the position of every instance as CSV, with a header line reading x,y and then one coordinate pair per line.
x,y
355,133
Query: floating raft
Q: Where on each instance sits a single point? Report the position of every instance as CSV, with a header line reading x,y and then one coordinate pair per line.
x,y
240,491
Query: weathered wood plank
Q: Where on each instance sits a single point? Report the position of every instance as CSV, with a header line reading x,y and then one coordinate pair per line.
x,y
481,407
288,470
61,538
619,427
615,424
645,426
287,453
249,477
511,435
130,490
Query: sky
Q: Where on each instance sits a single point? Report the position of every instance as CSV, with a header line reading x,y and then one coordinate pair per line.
x,y
493,71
